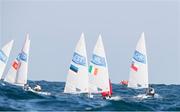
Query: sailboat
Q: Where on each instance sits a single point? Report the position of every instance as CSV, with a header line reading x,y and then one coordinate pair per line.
x,y
77,77
17,74
138,78
4,56
99,81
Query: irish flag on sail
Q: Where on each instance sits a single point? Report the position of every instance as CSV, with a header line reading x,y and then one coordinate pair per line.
x,y
93,70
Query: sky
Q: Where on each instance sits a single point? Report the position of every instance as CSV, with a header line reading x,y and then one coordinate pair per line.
x,y
55,27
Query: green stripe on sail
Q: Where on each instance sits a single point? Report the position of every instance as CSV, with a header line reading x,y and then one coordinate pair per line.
x,y
90,69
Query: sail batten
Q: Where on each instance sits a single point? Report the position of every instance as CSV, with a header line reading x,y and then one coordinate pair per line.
x,y
139,67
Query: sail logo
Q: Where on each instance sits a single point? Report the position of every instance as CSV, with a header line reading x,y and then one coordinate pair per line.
x,y
74,68
22,56
78,59
139,57
97,60
3,57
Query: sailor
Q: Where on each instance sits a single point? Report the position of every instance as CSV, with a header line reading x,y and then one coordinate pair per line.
x,y
37,88
150,91
26,87
105,95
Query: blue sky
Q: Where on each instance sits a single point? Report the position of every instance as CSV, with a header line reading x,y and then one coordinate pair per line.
x,y
56,25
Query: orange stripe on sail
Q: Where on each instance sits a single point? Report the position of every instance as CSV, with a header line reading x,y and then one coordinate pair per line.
x,y
95,71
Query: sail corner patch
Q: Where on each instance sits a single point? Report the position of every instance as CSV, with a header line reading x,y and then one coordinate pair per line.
x,y
99,89
78,90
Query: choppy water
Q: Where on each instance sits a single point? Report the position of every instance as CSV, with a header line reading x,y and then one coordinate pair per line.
x,y
15,98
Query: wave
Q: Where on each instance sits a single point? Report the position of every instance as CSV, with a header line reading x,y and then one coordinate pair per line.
x,y
53,98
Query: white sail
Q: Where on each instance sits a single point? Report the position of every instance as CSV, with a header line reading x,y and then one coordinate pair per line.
x,y
77,78
4,56
139,68
17,74
98,70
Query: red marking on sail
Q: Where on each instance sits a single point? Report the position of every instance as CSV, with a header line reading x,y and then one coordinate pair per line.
x,y
16,65
134,67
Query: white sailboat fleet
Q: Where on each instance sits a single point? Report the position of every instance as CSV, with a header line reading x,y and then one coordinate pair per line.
x,y
97,80
81,77
78,79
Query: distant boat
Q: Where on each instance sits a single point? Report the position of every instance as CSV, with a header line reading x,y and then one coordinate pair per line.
x,y
139,67
99,81
4,56
17,74
124,82
77,77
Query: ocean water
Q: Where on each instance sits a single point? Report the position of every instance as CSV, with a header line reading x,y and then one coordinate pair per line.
x,y
15,98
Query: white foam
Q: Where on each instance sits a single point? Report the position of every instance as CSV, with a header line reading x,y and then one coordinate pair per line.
x,y
115,98
144,96
39,92
3,84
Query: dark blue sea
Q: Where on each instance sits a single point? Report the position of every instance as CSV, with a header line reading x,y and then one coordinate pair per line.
x,y
15,98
